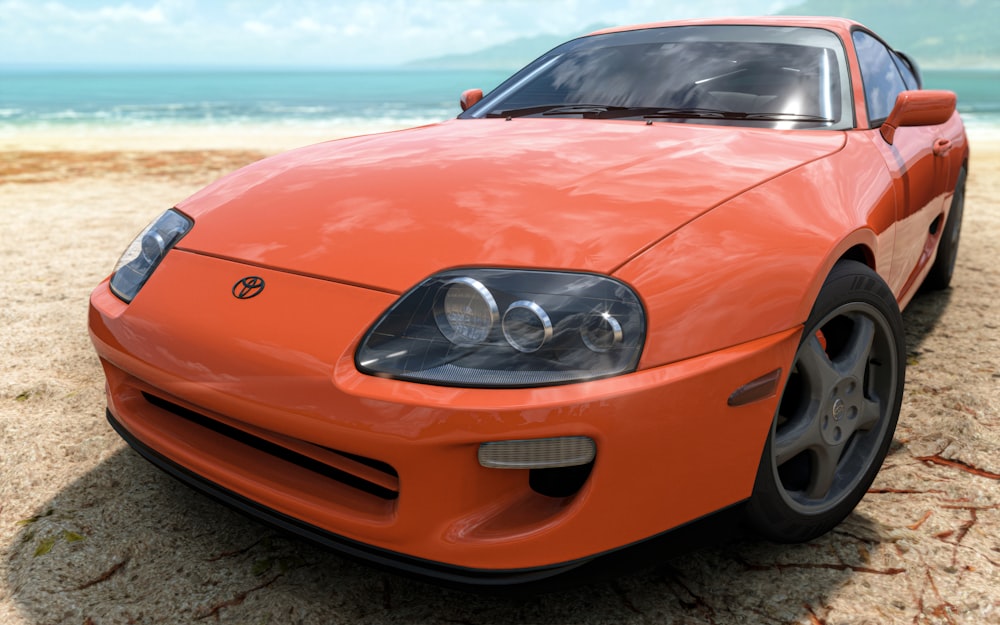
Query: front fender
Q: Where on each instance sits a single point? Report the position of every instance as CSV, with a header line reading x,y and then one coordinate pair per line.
x,y
753,266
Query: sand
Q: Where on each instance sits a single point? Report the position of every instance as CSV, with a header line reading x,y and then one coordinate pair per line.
x,y
91,534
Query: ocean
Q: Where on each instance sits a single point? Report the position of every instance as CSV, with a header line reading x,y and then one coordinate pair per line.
x,y
58,99
61,100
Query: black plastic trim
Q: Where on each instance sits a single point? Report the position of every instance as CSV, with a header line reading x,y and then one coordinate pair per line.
x,y
707,530
383,557
288,455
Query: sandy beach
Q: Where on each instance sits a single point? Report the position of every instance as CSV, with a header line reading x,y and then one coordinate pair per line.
x,y
91,534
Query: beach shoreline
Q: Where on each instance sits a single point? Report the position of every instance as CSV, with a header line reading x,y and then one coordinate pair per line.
x,y
266,137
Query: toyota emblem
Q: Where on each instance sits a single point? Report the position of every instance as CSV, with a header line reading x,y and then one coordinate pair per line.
x,y
248,287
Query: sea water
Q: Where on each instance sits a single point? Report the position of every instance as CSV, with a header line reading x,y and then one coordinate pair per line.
x,y
227,98
61,100
978,93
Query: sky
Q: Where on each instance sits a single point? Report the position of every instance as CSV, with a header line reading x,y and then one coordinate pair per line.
x,y
337,33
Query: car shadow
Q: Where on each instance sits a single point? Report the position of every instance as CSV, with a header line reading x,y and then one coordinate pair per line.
x,y
922,315
125,543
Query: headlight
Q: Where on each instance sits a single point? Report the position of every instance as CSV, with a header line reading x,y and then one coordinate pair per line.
x,y
146,251
507,328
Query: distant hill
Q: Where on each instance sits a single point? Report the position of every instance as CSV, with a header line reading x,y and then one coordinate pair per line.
x,y
937,33
510,55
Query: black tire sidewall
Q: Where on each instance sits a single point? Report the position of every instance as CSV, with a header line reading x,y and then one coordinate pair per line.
x,y
767,511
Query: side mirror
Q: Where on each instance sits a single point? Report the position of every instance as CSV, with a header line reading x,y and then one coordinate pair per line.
x,y
470,97
918,108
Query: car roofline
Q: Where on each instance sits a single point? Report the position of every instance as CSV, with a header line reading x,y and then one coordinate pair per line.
x,y
837,24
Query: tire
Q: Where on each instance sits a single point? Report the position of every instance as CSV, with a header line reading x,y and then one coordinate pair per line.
x,y
939,277
838,410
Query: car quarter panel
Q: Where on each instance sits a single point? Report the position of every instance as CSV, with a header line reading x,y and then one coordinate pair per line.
x,y
753,266
923,162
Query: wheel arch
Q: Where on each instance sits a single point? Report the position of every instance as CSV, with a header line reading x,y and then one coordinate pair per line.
x,y
860,253
860,246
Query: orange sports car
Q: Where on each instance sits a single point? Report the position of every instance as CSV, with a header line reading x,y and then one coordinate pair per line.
x,y
653,277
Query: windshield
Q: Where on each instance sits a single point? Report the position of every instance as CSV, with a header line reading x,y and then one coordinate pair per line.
x,y
764,76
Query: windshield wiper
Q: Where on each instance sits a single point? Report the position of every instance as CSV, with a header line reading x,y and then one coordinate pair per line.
x,y
795,117
587,110
706,113
693,113
605,111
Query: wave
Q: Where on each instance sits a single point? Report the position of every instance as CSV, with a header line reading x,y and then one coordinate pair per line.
x,y
225,113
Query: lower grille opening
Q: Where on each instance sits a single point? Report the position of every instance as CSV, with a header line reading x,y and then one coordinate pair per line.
x,y
286,454
561,481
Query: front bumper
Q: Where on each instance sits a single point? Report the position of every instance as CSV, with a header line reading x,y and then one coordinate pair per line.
x,y
259,403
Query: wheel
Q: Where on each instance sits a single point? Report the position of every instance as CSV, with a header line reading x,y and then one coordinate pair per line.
x,y
837,412
939,277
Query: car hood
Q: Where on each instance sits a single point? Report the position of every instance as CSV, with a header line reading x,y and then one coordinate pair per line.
x,y
386,211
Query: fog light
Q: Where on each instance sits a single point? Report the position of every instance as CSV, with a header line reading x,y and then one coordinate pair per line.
x,y
538,453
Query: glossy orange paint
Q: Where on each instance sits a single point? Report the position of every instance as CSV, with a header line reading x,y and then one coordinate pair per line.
x,y
726,234
919,108
295,380
549,193
469,98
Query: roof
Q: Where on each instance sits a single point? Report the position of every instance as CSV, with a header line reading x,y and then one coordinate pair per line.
x,y
836,24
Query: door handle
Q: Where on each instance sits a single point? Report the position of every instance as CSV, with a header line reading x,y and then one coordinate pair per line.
x,y
942,147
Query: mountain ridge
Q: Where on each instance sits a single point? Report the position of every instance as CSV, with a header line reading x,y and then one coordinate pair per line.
x,y
939,34
509,55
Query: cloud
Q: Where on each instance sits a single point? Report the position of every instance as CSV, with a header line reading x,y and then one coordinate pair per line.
x,y
57,13
126,13
258,28
306,32
310,25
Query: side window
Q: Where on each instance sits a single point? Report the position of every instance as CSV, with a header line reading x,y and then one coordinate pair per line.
x,y
880,75
909,75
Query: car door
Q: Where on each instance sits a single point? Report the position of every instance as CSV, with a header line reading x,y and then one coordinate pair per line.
x,y
919,158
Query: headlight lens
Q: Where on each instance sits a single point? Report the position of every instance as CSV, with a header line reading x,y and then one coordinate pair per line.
x,y
507,328
465,312
146,251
